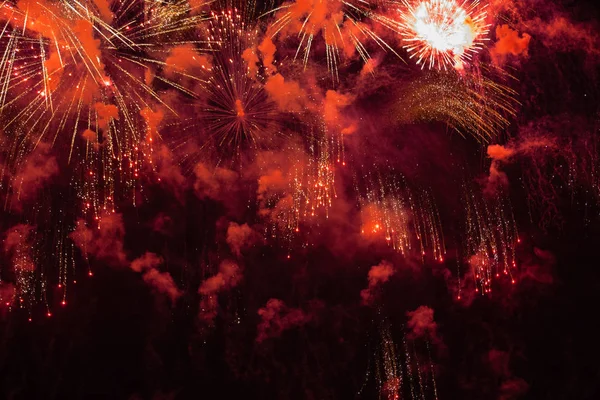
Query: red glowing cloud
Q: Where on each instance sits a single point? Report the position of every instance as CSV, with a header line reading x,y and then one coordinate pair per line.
x,y
378,275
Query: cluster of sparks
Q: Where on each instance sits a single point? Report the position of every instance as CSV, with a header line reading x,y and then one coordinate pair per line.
x,y
439,33
443,34
478,105
311,186
402,217
92,80
238,110
492,238
398,371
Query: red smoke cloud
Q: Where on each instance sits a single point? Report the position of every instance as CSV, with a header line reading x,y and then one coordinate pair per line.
x,y
378,275
508,43
511,387
106,113
162,224
316,17
37,169
184,64
288,95
91,136
369,67
529,146
104,9
90,47
267,50
160,282
153,120
229,276
168,171
498,362
251,58
538,268
146,262
213,183
561,34
333,103
240,237
163,283
104,243
7,294
273,186
272,182
39,20
16,237
184,59
276,318
421,324
18,246
320,18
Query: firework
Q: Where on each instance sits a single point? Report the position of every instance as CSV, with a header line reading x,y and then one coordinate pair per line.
x,y
389,209
475,105
235,110
18,244
325,150
308,185
398,371
344,27
78,76
41,255
443,33
298,186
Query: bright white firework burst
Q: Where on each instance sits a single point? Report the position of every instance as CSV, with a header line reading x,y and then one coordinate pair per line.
x,y
443,33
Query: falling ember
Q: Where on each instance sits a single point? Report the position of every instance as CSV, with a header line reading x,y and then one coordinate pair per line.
x,y
491,239
443,33
406,219
400,368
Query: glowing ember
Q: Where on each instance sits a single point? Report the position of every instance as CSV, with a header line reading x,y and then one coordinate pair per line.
x,y
442,33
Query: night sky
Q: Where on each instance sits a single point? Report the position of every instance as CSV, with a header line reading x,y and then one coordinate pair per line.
x,y
305,199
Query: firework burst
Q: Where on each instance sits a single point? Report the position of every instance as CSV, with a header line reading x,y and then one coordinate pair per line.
x,y
344,26
475,104
237,111
492,238
443,34
402,216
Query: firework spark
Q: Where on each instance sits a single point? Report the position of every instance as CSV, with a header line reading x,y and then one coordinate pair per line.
x,y
443,33
344,26
475,105
397,370
237,112
391,209
309,189
78,76
492,238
